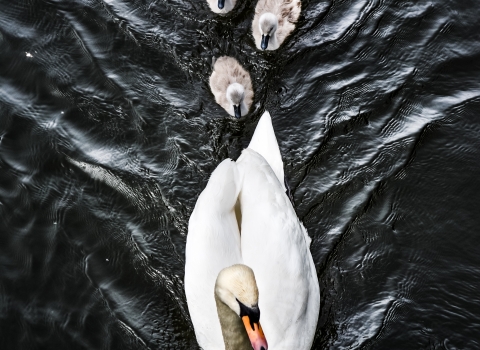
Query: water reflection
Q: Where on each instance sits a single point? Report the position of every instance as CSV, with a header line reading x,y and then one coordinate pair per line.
x,y
108,133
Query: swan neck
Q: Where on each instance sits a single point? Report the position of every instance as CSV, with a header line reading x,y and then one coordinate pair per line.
x,y
233,331
229,5
273,44
244,108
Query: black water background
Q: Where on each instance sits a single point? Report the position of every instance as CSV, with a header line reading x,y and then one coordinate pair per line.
x,y
108,133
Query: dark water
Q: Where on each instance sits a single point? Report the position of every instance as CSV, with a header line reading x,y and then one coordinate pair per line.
x,y
108,133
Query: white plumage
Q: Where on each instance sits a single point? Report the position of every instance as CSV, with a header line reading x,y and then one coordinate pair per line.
x,y
275,19
244,217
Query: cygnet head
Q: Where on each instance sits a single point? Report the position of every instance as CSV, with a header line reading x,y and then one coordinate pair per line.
x,y
235,95
221,6
236,287
268,25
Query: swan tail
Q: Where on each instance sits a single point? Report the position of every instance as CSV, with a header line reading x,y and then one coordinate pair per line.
x,y
265,143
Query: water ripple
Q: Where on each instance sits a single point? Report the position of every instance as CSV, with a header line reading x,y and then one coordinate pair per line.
x,y
109,132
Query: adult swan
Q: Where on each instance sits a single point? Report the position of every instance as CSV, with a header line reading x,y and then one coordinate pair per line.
x,y
249,275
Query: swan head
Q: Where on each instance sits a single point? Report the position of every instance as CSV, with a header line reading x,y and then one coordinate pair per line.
x,y
268,25
235,95
236,287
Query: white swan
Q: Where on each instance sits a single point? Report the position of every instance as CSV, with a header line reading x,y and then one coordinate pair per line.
x,y
231,85
244,217
274,20
221,6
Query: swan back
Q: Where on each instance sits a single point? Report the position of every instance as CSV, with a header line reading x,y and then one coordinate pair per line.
x,y
286,12
227,71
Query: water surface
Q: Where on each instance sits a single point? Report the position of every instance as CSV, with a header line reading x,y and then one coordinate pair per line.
x,y
108,133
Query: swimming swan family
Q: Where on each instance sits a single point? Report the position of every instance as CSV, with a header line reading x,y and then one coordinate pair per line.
x,y
250,280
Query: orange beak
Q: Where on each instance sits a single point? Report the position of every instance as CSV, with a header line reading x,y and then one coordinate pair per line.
x,y
255,334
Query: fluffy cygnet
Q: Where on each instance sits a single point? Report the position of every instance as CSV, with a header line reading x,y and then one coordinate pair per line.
x,y
274,20
232,87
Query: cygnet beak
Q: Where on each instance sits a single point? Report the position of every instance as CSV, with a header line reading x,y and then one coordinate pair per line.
x,y
237,111
255,334
221,4
264,44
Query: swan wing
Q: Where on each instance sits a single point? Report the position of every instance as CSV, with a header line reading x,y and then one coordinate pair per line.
x,y
213,243
276,246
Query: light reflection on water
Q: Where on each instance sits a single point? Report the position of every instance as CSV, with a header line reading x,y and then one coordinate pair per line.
x,y
108,133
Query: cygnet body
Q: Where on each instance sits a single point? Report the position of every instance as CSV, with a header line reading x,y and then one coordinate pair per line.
x,y
222,6
232,86
274,20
